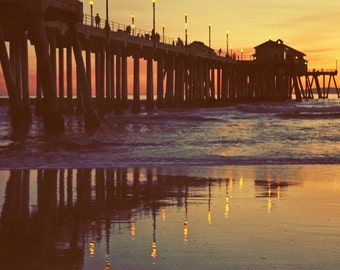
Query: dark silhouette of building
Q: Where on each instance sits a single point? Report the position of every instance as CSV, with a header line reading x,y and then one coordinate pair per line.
x,y
276,52
198,46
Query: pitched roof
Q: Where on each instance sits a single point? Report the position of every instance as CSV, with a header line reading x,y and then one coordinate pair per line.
x,y
278,43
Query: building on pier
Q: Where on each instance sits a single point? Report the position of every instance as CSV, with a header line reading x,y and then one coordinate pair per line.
x,y
284,60
278,53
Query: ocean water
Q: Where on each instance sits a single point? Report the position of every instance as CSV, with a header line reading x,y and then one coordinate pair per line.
x,y
244,134
249,186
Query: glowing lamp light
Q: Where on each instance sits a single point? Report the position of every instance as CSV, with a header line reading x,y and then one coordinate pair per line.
x,y
107,266
133,227
185,231
92,248
163,214
154,250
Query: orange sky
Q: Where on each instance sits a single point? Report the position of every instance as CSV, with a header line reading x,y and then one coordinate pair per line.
x,y
308,26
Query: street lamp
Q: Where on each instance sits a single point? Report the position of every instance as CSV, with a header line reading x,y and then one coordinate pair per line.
x,y
227,38
133,23
241,54
107,26
209,35
336,63
231,51
91,6
186,27
163,30
154,16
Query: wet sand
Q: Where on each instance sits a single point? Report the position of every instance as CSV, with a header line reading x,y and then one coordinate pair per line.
x,y
240,217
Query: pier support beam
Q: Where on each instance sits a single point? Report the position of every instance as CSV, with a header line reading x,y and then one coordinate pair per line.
x,y
100,78
118,104
52,118
212,84
169,94
218,84
179,82
20,122
108,72
124,80
297,89
160,80
25,76
91,117
79,99
38,105
69,103
191,76
149,105
61,79
136,83
89,69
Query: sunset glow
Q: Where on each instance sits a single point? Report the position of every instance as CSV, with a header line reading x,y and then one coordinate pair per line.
x,y
310,27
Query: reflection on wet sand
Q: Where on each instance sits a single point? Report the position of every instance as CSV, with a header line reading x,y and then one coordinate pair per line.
x,y
74,204
53,219
270,189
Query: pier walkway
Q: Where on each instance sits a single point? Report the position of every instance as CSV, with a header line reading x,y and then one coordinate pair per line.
x,y
184,75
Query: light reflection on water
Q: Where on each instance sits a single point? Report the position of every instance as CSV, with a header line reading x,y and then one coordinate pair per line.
x,y
128,218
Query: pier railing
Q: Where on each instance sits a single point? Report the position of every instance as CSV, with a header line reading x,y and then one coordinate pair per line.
x,y
117,27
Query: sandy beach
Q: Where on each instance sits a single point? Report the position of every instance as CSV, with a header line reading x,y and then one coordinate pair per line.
x,y
238,217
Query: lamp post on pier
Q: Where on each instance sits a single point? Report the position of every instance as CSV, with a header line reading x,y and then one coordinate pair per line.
x,y
227,38
209,35
163,31
186,27
241,54
107,26
133,23
154,16
91,6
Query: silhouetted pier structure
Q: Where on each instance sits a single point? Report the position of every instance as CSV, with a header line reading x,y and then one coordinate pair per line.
x,y
191,75
322,89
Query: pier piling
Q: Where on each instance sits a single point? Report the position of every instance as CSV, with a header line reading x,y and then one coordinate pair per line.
x,y
52,118
19,120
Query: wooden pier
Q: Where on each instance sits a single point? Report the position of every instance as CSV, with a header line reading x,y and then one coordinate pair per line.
x,y
313,82
185,75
